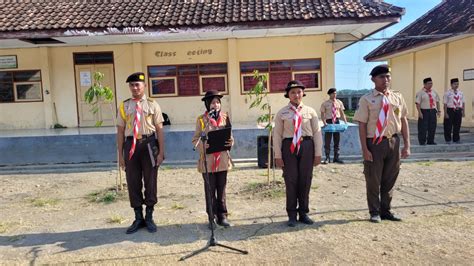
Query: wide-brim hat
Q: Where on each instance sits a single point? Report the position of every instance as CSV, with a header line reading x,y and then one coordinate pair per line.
x,y
294,84
211,94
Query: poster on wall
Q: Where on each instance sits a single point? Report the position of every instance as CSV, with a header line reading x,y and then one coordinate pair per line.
x,y
468,74
8,61
85,77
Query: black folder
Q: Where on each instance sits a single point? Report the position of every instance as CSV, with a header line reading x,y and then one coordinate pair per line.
x,y
217,139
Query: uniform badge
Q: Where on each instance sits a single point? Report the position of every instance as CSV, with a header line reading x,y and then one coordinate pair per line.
x,y
397,111
373,101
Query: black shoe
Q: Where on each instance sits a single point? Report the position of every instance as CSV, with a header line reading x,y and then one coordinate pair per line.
x,y
139,221
223,222
305,219
422,144
432,143
337,160
390,216
375,218
150,224
291,222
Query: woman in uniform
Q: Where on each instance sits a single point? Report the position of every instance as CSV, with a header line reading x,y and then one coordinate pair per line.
x,y
217,163
297,145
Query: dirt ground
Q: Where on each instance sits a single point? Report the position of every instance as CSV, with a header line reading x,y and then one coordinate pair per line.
x,y
65,218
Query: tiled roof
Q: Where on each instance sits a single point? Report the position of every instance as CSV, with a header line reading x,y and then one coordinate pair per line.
x,y
450,18
53,15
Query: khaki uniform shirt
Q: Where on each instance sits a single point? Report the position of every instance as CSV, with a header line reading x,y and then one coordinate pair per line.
x,y
369,109
423,99
284,128
225,160
449,98
151,116
326,108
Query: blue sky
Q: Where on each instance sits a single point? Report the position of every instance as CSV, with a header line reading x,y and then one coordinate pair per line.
x,y
352,72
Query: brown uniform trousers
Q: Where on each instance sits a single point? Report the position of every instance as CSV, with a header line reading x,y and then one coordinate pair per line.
x,y
217,184
298,174
140,172
381,174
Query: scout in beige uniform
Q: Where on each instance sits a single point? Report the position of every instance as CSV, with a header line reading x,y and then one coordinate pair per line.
x,y
427,104
382,115
454,105
297,145
217,163
141,150
331,111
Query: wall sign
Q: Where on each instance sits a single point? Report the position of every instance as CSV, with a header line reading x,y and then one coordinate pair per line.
x,y
85,77
195,52
468,74
8,61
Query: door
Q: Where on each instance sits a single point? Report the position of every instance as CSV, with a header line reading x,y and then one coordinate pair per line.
x,y
84,80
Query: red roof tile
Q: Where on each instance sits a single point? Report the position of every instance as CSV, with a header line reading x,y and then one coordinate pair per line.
x,y
450,18
29,15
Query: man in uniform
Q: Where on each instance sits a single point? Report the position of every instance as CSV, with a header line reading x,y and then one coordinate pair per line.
x,y
141,150
454,106
331,111
427,104
382,114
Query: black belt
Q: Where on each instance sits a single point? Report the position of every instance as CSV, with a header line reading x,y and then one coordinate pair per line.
x,y
455,109
143,137
302,138
384,137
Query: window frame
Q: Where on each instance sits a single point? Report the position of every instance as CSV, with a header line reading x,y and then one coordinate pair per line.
x,y
317,72
201,89
15,91
166,94
15,96
242,76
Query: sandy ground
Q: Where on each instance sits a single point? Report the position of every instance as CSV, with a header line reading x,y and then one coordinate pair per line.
x,y
52,219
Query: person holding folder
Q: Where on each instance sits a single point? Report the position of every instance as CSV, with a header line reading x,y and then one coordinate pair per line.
x,y
218,163
297,144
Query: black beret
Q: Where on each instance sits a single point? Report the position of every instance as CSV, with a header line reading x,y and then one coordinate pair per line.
x,y
294,84
380,69
331,90
138,76
426,80
211,94
454,80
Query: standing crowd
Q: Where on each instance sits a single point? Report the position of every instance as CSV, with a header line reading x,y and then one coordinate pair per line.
x,y
297,144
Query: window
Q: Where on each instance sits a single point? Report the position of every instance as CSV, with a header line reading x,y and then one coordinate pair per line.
x,y
280,72
20,86
187,80
93,58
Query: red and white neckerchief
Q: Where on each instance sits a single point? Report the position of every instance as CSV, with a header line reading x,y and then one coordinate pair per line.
x,y
382,121
457,100
297,120
432,103
217,155
136,126
334,113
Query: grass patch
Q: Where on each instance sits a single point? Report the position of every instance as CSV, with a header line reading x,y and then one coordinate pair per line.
x,y
274,189
40,202
106,196
428,163
116,219
177,206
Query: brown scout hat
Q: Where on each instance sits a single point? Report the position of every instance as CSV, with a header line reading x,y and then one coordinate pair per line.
x,y
294,84
211,94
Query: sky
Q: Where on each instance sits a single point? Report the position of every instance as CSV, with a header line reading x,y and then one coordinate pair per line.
x,y
352,72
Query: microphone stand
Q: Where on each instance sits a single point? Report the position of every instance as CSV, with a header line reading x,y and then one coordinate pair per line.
x,y
212,240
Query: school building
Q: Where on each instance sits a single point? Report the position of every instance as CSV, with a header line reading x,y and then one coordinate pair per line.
x,y
440,45
49,51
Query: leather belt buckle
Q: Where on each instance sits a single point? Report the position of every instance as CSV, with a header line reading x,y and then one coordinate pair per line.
x,y
139,136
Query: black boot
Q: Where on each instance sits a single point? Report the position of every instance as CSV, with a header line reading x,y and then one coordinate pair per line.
x,y
222,221
139,221
150,224
336,158
326,161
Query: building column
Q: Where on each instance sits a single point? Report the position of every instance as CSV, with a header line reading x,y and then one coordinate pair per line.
x,y
49,116
233,75
350,103
137,57
328,64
